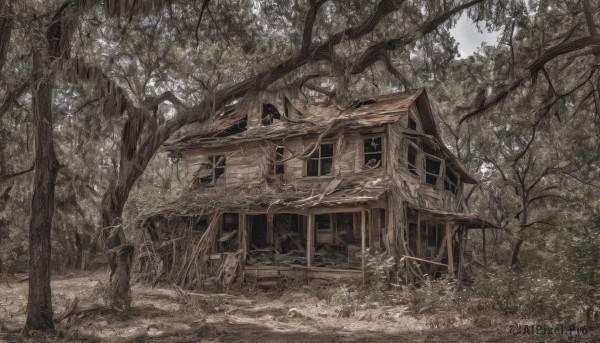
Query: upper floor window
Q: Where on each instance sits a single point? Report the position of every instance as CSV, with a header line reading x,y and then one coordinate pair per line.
x,y
277,164
450,181
412,123
320,162
411,159
213,170
269,113
373,152
432,169
230,222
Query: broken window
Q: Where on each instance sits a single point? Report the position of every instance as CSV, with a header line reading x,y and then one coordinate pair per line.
x,y
269,113
324,229
373,152
450,181
412,124
230,222
213,169
412,159
277,163
321,161
432,169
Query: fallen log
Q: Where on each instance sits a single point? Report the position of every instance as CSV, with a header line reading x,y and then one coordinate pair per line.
x,y
74,310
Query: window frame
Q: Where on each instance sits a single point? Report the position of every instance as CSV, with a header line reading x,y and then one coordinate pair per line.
x,y
382,150
425,172
320,159
277,166
448,181
212,159
410,144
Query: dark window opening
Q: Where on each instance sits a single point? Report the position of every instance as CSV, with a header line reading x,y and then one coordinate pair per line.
x,y
278,165
412,238
412,160
428,149
373,152
213,169
258,226
432,170
289,234
201,224
432,235
450,181
230,222
412,124
347,231
321,161
269,113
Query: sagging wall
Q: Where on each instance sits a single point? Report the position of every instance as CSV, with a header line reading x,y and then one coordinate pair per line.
x,y
250,163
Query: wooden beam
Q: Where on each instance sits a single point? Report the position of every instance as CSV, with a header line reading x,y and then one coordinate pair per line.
x,y
244,235
461,252
363,236
270,228
310,239
450,249
418,252
424,260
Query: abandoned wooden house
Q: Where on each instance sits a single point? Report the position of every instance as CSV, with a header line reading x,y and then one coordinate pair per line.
x,y
306,191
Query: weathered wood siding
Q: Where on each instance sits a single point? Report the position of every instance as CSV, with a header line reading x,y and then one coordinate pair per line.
x,y
414,188
250,163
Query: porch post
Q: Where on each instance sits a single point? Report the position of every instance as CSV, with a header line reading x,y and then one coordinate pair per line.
x,y
449,249
363,236
461,253
309,239
243,235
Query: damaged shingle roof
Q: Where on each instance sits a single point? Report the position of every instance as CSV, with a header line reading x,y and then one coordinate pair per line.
x,y
315,119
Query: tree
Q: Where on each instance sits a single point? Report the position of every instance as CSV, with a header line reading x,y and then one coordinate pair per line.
x,y
39,304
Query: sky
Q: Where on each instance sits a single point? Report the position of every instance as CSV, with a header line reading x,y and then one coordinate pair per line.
x,y
469,38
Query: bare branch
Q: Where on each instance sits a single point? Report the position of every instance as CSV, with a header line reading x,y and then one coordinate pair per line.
x,y
533,69
309,23
5,32
376,52
204,6
6,177
12,97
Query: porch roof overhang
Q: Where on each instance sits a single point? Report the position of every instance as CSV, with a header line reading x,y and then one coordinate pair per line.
x,y
269,198
468,220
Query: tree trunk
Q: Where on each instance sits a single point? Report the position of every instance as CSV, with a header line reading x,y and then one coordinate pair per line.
x,y
121,257
523,218
39,305
515,255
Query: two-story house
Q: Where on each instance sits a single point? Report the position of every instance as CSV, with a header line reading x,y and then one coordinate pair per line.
x,y
303,190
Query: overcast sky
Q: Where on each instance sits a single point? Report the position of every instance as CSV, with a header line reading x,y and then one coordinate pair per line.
x,y
469,38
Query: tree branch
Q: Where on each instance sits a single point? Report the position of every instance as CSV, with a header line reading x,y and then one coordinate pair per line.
x,y
309,23
12,97
533,69
204,6
376,52
6,177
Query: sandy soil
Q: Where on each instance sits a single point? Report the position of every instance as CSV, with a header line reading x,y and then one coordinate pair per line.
x,y
298,314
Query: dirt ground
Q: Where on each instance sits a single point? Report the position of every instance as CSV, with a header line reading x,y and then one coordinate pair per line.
x,y
296,314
